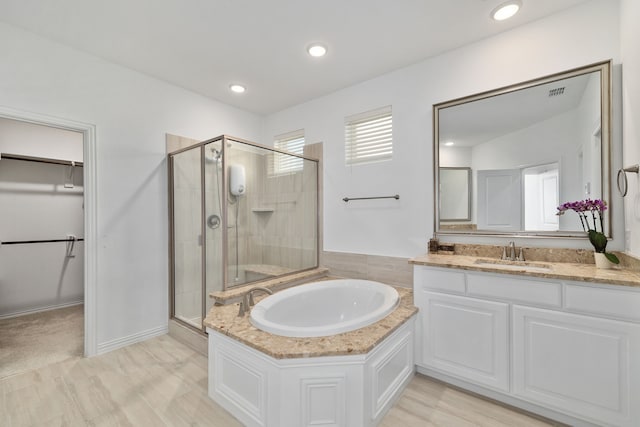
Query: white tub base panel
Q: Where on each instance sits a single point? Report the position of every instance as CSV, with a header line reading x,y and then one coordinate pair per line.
x,y
337,391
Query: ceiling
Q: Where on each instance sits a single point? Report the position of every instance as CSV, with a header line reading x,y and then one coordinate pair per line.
x,y
472,123
205,45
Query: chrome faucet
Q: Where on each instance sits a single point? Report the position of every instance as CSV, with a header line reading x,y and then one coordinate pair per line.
x,y
512,251
247,299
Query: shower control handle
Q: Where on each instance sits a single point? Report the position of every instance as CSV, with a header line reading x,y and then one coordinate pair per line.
x,y
213,221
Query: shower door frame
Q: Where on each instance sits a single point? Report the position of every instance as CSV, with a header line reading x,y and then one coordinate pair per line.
x,y
225,256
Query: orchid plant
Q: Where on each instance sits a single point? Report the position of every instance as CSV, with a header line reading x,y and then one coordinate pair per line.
x,y
590,214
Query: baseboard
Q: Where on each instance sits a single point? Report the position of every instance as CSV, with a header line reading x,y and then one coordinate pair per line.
x,y
108,346
40,309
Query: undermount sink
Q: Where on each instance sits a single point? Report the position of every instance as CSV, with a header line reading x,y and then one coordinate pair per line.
x,y
514,265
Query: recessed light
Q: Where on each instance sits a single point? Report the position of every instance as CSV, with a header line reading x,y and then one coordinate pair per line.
x,y
317,50
506,10
237,88
448,144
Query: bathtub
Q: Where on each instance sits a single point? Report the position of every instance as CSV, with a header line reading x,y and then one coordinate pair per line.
x,y
324,308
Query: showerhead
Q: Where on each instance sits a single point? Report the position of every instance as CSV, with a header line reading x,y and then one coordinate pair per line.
x,y
213,156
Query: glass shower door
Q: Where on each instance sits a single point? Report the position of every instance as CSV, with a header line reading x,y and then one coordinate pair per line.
x,y
186,232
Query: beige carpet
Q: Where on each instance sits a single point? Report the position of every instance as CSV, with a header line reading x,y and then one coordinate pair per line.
x,y
36,340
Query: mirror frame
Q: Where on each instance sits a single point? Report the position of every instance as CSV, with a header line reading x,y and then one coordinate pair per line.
x,y
604,67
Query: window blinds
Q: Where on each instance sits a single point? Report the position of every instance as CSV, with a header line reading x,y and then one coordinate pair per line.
x,y
292,142
368,136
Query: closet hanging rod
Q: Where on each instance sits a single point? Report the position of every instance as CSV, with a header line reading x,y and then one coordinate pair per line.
x,y
39,159
22,242
396,196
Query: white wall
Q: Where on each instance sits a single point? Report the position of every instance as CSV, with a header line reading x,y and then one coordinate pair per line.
x,y
131,112
629,36
455,157
575,37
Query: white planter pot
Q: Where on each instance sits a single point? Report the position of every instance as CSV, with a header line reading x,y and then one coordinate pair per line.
x,y
602,261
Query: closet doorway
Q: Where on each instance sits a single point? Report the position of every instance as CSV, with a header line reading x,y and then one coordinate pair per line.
x,y
41,246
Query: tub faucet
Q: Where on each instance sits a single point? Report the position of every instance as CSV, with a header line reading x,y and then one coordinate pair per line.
x,y
247,299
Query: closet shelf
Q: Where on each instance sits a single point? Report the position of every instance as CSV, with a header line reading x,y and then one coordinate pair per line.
x,y
39,159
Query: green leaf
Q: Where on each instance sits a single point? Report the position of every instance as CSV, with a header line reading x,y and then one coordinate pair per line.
x,y
598,240
611,257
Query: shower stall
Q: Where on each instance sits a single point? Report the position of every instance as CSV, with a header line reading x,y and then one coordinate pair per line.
x,y
239,212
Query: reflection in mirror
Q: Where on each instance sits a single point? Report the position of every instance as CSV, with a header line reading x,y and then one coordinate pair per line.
x,y
455,187
529,148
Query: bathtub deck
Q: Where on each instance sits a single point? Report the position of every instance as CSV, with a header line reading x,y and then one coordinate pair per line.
x,y
225,320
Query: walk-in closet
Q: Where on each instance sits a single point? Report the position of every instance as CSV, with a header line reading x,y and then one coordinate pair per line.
x,y
41,246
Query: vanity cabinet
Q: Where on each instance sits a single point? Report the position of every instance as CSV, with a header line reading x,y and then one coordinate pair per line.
x,y
581,364
567,350
466,337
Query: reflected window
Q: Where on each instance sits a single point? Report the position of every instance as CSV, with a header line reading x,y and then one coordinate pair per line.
x,y
282,164
541,197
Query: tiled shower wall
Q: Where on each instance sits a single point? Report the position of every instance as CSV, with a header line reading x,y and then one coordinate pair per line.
x,y
277,216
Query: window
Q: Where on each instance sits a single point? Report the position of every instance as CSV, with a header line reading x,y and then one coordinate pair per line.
x,y
292,142
368,136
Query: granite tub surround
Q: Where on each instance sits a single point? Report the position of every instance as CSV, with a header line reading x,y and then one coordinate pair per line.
x,y
234,295
581,272
225,320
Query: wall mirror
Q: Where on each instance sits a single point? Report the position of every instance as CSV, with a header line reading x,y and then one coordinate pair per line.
x,y
527,148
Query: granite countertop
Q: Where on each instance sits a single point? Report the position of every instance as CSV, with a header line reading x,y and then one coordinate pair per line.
x,y
557,270
225,320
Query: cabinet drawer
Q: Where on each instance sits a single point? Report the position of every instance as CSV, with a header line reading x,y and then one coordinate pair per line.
x,y
614,302
515,289
438,280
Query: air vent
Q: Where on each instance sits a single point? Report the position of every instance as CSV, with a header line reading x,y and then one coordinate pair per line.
x,y
556,92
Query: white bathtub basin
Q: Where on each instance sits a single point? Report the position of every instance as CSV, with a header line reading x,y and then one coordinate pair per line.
x,y
324,308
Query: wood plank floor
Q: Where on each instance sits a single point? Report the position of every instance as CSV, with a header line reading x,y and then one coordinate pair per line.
x,y
160,382
427,402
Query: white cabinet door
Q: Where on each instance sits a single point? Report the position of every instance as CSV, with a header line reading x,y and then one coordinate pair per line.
x,y
465,337
577,364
